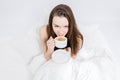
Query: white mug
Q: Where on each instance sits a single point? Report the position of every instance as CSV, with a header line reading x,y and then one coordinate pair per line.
x,y
60,42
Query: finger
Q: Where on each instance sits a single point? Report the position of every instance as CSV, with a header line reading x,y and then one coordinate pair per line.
x,y
52,40
51,37
51,43
69,49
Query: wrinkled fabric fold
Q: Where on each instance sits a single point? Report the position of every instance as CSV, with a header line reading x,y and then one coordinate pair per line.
x,y
89,65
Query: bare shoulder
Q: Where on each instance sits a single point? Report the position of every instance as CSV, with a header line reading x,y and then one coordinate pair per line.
x,y
43,37
80,43
43,31
79,39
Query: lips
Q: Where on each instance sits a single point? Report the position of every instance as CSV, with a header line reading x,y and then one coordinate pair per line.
x,y
60,34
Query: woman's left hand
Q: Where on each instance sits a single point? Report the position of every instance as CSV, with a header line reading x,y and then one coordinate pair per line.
x,y
72,55
68,49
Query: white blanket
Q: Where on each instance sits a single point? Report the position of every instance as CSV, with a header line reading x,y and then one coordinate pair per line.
x,y
89,65
94,61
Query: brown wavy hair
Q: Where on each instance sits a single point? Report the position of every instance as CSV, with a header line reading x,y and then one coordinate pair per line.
x,y
73,34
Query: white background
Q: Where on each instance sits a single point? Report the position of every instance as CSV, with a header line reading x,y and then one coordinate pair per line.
x,y
18,16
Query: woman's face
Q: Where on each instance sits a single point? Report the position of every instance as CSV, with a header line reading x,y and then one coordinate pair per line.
x,y
60,25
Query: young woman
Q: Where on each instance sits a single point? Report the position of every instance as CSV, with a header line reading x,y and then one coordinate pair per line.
x,y
61,23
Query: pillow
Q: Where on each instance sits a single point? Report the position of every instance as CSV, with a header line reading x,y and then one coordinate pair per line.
x,y
27,45
92,36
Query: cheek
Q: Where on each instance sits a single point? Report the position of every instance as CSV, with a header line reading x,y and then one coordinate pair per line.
x,y
66,31
55,30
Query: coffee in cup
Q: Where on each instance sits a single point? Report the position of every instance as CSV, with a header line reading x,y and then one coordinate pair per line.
x,y
60,42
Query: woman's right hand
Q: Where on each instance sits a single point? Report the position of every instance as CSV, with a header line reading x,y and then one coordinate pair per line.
x,y
50,48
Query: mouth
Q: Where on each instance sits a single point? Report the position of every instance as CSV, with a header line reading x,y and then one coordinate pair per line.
x,y
60,34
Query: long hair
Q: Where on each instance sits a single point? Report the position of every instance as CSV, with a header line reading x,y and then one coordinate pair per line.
x,y
73,33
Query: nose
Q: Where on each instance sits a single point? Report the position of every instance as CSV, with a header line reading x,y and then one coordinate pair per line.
x,y
61,32
61,28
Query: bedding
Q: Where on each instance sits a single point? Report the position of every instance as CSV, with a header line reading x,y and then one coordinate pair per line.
x,y
85,67
94,61
22,56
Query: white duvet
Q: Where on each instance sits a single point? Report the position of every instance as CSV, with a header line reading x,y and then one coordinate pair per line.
x,y
89,65
94,61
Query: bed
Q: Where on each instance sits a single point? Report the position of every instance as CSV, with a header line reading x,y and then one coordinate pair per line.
x,y
22,56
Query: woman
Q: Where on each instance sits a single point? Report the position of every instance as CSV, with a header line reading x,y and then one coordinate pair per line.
x,y
93,67
61,23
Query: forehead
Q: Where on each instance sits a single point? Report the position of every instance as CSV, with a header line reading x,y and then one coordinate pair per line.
x,y
61,21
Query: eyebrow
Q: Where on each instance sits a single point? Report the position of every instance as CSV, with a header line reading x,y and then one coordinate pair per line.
x,y
55,24
58,25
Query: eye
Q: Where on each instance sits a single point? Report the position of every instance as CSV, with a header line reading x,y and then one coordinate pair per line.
x,y
56,26
66,26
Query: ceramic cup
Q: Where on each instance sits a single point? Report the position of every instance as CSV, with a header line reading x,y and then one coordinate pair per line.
x,y
60,42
